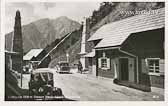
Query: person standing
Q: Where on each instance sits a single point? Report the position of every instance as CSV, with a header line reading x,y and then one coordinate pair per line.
x,y
80,67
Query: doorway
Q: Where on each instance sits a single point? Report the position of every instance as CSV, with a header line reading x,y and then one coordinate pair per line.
x,y
124,74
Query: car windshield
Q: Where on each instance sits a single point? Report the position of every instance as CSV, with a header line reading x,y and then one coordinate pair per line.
x,y
43,76
64,64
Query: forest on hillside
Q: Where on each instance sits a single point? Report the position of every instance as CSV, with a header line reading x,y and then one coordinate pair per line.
x,y
107,8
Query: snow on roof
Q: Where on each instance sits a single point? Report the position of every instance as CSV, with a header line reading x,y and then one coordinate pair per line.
x,y
115,33
32,53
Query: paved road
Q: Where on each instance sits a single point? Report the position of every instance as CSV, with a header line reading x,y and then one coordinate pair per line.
x,y
86,88
82,87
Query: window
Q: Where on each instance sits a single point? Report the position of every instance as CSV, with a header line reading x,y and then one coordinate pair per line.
x,y
104,63
153,65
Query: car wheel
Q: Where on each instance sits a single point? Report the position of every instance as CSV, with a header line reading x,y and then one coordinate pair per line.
x,y
58,92
30,92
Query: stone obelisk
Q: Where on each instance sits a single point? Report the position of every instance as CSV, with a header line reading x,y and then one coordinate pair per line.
x,y
17,60
83,46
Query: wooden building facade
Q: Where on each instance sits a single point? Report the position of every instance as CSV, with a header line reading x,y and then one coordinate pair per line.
x,y
131,51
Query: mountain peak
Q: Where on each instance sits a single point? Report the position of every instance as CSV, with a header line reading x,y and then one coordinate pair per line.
x,y
63,17
40,33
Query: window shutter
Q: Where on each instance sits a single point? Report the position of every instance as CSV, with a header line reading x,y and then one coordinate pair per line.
x,y
161,66
115,68
108,63
144,66
99,62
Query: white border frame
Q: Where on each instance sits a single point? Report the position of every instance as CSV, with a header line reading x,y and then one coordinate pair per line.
x,y
118,103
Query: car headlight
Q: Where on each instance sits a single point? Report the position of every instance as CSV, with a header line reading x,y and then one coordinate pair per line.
x,y
40,89
34,90
48,93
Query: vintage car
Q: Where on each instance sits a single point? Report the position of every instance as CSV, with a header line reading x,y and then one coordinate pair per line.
x,y
63,67
41,85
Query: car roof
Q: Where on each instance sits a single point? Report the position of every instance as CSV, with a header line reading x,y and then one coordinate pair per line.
x,y
63,62
42,70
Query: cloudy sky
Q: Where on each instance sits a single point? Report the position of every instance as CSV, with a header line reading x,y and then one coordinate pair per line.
x,y
33,11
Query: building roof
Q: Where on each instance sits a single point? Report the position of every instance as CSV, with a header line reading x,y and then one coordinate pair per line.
x,y
90,54
32,53
115,33
11,52
42,70
63,62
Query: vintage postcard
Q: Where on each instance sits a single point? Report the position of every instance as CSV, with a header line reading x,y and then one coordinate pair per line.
x,y
84,51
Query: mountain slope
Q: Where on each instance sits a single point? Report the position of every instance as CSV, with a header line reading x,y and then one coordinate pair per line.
x,y
114,15
117,12
70,45
42,32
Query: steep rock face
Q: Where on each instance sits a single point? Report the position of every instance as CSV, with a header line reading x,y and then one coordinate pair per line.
x,y
42,32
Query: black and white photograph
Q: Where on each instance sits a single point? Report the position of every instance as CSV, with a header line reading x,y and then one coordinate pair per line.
x,y
84,51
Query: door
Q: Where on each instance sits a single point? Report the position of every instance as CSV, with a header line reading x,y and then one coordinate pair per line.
x,y
124,69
